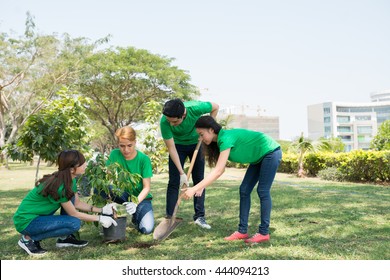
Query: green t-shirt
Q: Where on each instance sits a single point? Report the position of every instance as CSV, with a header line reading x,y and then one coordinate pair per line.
x,y
185,133
246,146
35,204
139,165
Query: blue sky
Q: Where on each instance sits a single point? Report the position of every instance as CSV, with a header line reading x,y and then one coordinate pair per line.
x,y
279,55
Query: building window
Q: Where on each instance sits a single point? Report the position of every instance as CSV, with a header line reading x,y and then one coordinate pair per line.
x,y
326,110
364,129
327,120
343,129
342,109
343,119
345,138
327,129
361,109
363,118
382,109
364,146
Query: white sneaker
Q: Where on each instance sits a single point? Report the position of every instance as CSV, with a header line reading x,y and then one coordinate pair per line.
x,y
202,223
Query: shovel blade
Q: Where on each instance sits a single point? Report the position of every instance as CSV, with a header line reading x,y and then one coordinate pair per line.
x,y
165,228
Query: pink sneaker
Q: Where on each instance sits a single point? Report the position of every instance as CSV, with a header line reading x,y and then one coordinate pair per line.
x,y
236,236
257,238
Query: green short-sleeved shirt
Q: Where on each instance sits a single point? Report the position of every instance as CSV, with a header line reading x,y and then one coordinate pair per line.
x,y
246,146
141,165
185,133
35,204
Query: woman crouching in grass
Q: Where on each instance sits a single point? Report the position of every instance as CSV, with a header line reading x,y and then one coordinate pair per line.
x,y
35,218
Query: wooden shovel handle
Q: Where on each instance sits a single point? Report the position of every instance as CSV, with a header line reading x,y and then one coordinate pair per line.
x,y
188,177
193,160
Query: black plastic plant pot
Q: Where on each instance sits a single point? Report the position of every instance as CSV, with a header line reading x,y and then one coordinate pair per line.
x,y
116,233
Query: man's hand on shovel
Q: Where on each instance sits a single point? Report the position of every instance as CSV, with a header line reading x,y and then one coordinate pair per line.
x,y
183,180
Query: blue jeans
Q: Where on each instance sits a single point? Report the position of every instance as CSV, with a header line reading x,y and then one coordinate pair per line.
x,y
262,173
43,227
143,218
185,151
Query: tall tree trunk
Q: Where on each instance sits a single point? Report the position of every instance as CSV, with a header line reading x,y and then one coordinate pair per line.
x,y
36,174
301,172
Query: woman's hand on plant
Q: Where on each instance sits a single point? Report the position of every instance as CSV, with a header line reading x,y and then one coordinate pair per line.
x,y
108,209
107,221
130,207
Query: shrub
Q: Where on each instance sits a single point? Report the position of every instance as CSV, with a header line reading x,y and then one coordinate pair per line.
x,y
289,163
355,166
331,174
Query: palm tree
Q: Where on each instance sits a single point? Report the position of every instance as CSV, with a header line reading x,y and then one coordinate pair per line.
x,y
303,145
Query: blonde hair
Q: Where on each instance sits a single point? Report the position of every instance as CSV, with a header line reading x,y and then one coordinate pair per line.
x,y
126,132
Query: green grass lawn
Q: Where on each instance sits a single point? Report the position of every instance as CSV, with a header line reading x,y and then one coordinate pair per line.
x,y
311,220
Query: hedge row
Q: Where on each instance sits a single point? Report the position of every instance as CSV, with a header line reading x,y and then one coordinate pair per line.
x,y
355,166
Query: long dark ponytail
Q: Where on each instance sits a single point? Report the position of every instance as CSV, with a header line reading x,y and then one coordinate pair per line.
x,y
66,160
211,151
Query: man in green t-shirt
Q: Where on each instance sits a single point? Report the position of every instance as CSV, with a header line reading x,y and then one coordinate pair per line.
x,y
178,131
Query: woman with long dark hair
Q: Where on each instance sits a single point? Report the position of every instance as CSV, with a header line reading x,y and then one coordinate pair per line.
x,y
243,146
35,218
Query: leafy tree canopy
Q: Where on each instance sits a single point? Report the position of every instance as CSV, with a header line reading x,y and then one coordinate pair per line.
x,y
381,141
59,126
121,81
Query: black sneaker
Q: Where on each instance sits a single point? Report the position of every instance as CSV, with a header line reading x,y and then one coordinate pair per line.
x,y
33,248
71,241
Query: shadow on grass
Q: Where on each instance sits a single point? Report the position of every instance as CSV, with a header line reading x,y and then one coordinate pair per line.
x,y
316,221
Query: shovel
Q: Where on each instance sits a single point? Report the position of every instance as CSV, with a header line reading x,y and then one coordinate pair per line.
x,y
168,225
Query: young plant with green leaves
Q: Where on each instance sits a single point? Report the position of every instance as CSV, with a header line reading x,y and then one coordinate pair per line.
x,y
109,179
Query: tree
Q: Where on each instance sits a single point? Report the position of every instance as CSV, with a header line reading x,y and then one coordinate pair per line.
x,y
303,145
155,147
33,68
121,81
59,126
381,141
226,122
334,144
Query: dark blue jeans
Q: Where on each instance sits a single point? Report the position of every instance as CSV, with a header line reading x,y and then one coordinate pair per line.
x,y
185,151
143,218
262,173
43,227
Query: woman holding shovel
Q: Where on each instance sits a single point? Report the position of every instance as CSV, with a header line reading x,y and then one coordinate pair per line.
x,y
243,146
137,162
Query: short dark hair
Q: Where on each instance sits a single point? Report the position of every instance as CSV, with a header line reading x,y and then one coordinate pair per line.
x,y
174,108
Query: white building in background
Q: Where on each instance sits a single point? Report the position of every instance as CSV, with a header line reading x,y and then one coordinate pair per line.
x,y
380,96
250,117
354,123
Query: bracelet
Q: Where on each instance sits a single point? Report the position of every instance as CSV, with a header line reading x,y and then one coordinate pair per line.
x,y
91,208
